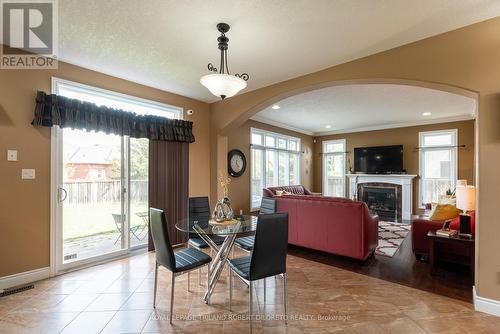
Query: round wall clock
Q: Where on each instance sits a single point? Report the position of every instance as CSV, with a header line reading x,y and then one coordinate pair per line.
x,y
236,163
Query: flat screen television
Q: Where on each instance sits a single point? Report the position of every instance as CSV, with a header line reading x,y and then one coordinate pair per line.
x,y
379,159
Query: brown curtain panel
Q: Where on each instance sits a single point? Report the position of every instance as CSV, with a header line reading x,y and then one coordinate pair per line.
x,y
168,184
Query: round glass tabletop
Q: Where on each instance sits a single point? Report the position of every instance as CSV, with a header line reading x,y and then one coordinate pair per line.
x,y
243,225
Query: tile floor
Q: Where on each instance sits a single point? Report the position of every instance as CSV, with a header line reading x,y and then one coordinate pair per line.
x,y
117,298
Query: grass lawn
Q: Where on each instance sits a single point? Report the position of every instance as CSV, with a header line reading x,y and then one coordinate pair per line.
x,y
89,219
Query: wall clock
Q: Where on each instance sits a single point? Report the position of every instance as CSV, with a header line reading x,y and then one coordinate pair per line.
x,y
236,163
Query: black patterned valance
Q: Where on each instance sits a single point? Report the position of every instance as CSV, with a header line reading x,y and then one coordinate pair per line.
x,y
72,113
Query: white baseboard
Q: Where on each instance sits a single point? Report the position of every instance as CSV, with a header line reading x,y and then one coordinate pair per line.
x,y
24,278
485,305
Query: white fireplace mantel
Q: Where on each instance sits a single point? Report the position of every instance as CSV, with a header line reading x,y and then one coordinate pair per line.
x,y
405,180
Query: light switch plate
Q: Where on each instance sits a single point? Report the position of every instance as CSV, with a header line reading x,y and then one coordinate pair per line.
x,y
27,174
11,155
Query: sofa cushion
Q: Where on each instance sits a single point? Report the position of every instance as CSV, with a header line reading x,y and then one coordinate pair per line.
x,y
295,190
445,212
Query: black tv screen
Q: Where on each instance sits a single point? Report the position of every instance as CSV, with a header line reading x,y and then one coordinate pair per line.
x,y
379,159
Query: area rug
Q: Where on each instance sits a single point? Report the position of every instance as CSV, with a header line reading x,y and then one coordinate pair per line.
x,y
390,237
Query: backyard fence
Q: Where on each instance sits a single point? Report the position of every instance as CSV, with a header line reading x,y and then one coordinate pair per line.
x,y
93,192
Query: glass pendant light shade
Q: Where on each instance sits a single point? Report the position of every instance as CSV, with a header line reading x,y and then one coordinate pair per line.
x,y
223,85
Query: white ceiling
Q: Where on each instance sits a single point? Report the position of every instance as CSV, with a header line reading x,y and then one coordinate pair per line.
x,y
167,43
366,107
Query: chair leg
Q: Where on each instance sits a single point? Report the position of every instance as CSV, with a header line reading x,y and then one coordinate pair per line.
x,y
189,276
250,304
264,291
172,297
156,285
230,288
285,298
199,276
208,282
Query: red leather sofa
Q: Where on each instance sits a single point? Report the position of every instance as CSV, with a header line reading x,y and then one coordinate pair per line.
x,y
421,225
334,225
295,190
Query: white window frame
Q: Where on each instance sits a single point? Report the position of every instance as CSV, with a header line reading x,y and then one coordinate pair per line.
x,y
422,149
264,149
325,155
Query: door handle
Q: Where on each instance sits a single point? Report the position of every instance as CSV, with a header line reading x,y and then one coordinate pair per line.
x,y
62,191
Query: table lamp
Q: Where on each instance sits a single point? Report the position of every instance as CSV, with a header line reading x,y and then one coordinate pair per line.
x,y
466,201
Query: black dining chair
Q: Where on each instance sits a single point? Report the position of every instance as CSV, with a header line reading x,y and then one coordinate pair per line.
x,y
199,213
267,259
267,206
179,262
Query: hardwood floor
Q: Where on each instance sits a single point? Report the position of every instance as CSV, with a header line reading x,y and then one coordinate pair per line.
x,y
116,297
446,280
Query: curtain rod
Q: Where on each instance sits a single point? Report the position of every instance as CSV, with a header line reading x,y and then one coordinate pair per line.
x,y
431,147
345,152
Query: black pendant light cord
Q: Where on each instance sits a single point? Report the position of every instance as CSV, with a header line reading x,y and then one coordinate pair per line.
x,y
223,46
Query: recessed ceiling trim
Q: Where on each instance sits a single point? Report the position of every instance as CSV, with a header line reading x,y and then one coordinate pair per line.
x,y
396,125
281,125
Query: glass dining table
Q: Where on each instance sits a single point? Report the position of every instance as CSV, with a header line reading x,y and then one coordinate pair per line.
x,y
242,226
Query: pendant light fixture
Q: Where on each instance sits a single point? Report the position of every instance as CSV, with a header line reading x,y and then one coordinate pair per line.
x,y
222,83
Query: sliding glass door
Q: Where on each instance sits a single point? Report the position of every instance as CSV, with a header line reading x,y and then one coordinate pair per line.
x,y
92,195
138,194
100,183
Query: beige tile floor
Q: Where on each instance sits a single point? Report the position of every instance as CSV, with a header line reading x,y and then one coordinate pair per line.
x,y
117,298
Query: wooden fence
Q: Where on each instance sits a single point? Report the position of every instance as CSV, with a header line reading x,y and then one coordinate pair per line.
x,y
94,192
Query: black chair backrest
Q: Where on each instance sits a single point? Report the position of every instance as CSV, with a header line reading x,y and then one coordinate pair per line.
x,y
267,205
270,247
199,210
159,231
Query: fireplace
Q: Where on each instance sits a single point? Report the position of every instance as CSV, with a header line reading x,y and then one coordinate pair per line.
x,y
383,199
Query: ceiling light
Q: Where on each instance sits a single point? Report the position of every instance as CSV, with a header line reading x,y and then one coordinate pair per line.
x,y
328,126
426,114
275,107
223,84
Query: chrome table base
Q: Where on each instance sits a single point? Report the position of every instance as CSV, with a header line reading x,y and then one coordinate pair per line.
x,y
218,262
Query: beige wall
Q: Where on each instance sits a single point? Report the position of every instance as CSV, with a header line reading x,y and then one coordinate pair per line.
x,y
239,138
25,204
468,58
408,137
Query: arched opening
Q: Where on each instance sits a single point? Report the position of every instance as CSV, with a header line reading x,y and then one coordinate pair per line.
x,y
437,96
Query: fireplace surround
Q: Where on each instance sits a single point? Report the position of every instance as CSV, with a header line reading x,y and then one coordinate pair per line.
x,y
404,181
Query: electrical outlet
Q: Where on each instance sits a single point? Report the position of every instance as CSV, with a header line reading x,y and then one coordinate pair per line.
x,y
28,174
11,155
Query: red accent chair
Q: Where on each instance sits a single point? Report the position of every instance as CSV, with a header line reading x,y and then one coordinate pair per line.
x,y
334,225
421,225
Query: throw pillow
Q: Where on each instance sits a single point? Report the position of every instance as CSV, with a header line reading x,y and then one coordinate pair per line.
x,y
445,212
279,192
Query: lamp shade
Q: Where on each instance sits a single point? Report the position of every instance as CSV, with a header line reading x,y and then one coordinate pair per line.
x,y
461,183
223,85
466,198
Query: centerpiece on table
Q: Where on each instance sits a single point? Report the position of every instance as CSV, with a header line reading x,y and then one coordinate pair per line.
x,y
223,214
